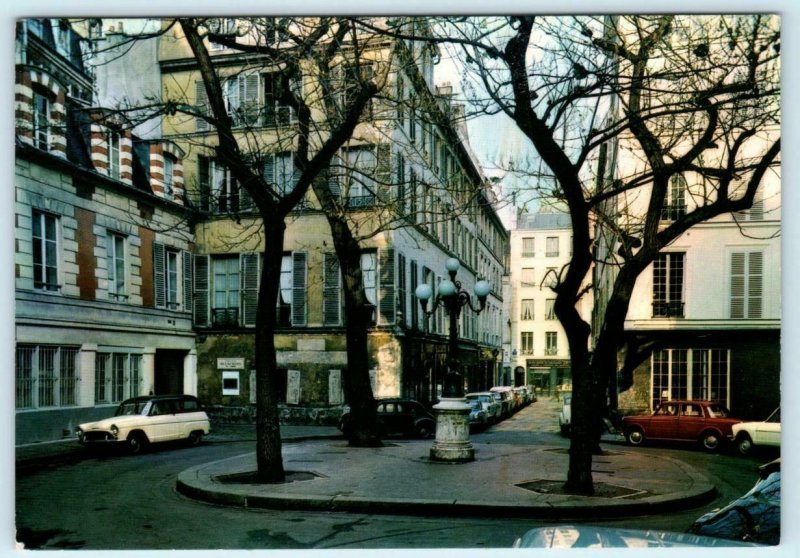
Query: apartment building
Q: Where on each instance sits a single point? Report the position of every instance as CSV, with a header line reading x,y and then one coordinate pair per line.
x,y
102,260
540,248
408,160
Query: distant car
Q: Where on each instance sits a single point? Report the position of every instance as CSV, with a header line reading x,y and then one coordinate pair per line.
x,y
477,416
142,420
748,435
404,417
705,422
506,399
522,396
588,536
755,517
492,407
565,415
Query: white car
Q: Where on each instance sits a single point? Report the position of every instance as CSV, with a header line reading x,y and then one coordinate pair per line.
x,y
493,408
142,420
759,434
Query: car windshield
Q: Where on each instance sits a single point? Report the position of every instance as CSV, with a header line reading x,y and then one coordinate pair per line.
x,y
716,410
474,404
131,408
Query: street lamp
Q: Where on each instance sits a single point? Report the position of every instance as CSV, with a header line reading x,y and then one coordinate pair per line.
x,y
452,412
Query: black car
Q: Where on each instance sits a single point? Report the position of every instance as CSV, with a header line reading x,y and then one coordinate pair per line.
x,y
404,417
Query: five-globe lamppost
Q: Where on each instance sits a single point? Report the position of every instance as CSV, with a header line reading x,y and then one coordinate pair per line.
x,y
452,412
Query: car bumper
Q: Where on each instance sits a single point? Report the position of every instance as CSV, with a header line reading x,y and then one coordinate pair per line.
x,y
97,437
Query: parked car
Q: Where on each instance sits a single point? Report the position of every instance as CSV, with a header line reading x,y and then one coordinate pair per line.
x,y
477,416
705,422
404,417
565,415
506,399
521,394
766,433
531,393
588,536
145,419
492,407
755,517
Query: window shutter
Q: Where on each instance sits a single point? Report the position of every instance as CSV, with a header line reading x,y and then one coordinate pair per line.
x,y
269,173
334,182
159,276
737,285
250,281
249,93
401,290
386,298
204,177
299,288
755,284
201,98
201,288
186,258
331,295
383,174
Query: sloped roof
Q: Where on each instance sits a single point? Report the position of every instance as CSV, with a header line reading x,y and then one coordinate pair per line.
x,y
543,221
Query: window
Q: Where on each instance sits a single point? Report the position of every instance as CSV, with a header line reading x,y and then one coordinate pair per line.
x,y
45,251
527,309
219,190
46,376
41,120
225,308
113,154
363,173
354,75
242,94
526,343
280,172
552,276
550,309
276,111
292,296
747,285
551,343
668,285
220,26
118,376
369,275
117,266
695,374
551,247
528,248
675,204
756,211
169,176
528,279
172,279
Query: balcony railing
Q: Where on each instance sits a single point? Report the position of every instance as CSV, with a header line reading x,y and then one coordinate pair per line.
x,y
671,309
550,351
225,317
358,202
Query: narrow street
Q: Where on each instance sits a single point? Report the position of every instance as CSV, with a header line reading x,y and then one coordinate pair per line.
x,y
130,502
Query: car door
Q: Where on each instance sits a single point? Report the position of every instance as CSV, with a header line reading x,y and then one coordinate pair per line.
x,y
768,433
691,421
663,424
161,421
388,415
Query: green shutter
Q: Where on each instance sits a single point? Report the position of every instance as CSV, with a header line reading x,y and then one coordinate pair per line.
x,y
186,258
331,291
299,288
159,275
386,297
250,281
201,290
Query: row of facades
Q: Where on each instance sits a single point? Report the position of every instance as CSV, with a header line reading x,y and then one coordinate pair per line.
x,y
136,261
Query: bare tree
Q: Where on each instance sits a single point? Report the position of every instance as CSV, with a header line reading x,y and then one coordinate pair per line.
x,y
685,97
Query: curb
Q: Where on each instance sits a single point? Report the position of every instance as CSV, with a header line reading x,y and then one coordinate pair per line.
x,y
191,483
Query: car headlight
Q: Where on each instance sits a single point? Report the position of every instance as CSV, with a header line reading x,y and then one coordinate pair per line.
x,y
114,430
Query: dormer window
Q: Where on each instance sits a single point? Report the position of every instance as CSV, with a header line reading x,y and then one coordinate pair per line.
x,y
41,120
169,174
113,154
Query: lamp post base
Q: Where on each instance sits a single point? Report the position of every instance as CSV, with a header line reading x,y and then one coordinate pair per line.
x,y
452,432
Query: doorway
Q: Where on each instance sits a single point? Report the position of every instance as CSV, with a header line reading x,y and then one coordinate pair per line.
x,y
169,371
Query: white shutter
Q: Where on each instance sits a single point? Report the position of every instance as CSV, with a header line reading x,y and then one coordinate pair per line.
x,y
201,100
299,277
159,275
755,284
186,258
331,290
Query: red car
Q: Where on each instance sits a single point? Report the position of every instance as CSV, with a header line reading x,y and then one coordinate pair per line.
x,y
705,422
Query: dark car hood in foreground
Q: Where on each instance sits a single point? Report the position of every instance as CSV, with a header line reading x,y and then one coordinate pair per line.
x,y
586,536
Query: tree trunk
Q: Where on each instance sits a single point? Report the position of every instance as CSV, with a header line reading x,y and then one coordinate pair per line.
x,y
268,430
364,430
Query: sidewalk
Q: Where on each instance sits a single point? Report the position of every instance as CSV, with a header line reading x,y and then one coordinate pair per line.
x,y
508,478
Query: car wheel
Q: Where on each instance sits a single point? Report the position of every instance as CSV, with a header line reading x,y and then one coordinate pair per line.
x,y
195,437
137,441
635,436
744,444
424,430
710,441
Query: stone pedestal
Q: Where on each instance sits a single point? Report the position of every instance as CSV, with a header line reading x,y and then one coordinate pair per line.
x,y
452,432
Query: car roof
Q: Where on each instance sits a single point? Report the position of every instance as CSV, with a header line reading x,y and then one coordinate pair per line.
x,y
158,398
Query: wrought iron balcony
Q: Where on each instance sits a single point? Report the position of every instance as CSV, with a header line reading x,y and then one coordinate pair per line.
x,y
358,202
225,317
